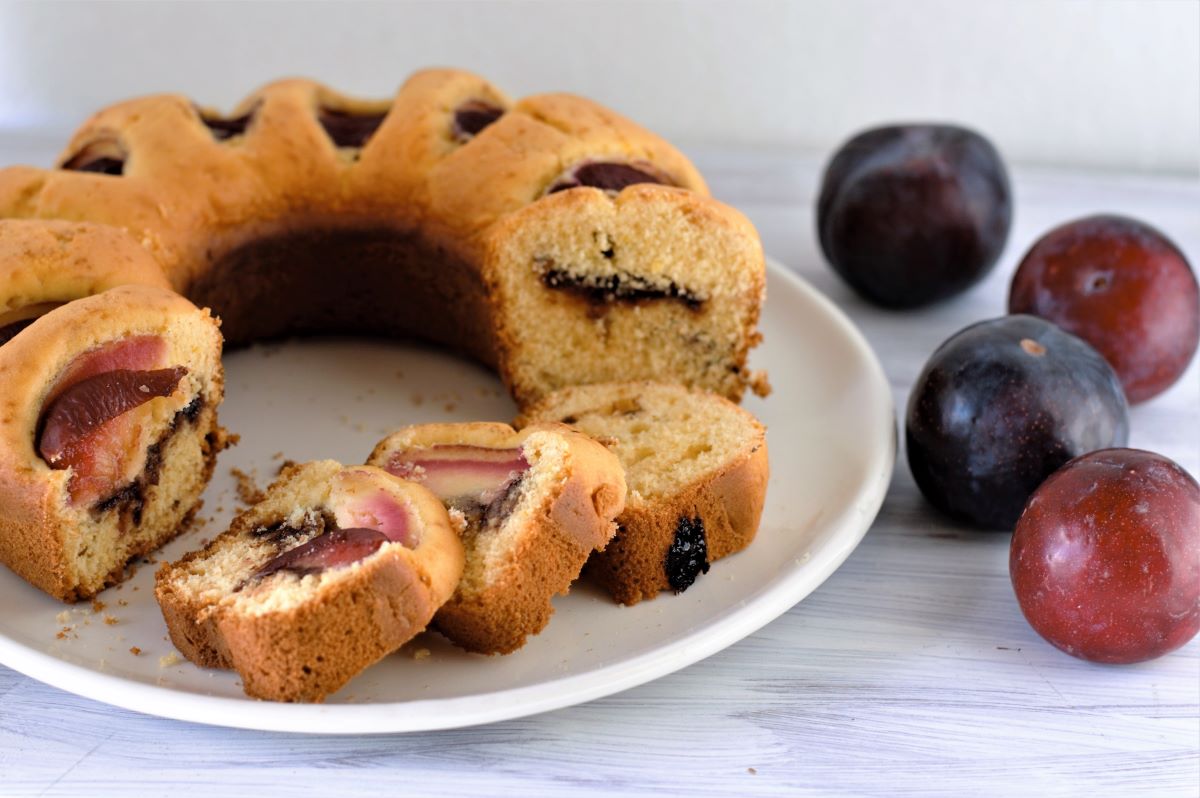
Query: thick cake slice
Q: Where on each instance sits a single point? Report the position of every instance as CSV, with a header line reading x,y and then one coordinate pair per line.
x,y
696,465
535,504
598,284
335,568
109,404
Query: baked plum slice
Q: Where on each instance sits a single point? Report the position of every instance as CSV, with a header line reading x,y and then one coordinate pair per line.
x,y
472,117
349,129
88,424
608,176
362,516
466,477
336,548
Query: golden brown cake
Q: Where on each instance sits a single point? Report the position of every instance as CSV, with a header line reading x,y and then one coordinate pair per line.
x,y
512,231
334,569
696,466
533,506
109,405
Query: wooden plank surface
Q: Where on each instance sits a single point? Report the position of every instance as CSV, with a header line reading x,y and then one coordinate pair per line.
x,y
910,672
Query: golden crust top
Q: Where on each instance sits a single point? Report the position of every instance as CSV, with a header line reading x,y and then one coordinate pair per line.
x,y
187,175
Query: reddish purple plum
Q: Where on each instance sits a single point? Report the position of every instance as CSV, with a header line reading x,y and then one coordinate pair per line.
x,y
1105,560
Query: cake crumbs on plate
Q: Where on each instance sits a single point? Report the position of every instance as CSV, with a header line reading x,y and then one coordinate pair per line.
x,y
63,617
135,651
110,620
167,660
752,771
277,456
421,653
98,605
122,603
247,487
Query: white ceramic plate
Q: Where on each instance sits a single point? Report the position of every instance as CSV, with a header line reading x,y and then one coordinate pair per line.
x,y
832,439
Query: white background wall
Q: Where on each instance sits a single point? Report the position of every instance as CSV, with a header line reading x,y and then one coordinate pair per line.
x,y
1107,83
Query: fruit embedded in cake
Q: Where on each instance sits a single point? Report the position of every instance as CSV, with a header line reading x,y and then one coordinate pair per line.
x,y
696,465
480,482
332,570
349,128
608,176
226,128
104,156
599,289
92,426
532,507
14,321
472,117
596,288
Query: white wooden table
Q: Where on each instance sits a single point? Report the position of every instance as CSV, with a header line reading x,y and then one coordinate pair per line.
x,y
911,671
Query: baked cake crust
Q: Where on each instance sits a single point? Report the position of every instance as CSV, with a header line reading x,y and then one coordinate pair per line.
x,y
722,505
246,212
311,646
506,596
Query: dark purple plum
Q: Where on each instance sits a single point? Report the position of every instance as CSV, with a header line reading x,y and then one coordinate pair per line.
x,y
1123,287
1002,405
911,214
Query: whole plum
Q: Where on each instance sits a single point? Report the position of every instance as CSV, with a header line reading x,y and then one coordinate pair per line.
x,y
999,407
1105,560
910,214
1123,287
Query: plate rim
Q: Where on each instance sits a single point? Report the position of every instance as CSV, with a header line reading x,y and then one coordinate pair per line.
x,y
733,625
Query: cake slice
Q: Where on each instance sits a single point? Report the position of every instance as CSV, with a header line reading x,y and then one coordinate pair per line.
x,y
602,283
534,505
335,568
696,466
110,430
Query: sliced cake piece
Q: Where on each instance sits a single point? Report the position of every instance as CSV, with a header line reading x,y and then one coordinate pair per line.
x,y
649,282
109,433
696,466
335,568
535,504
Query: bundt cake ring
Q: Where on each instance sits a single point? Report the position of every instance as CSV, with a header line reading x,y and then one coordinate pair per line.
x,y
550,239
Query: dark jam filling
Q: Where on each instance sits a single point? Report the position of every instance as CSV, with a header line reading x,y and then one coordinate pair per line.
x,y
488,517
472,117
687,557
282,533
130,500
605,176
602,288
347,129
223,129
10,331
